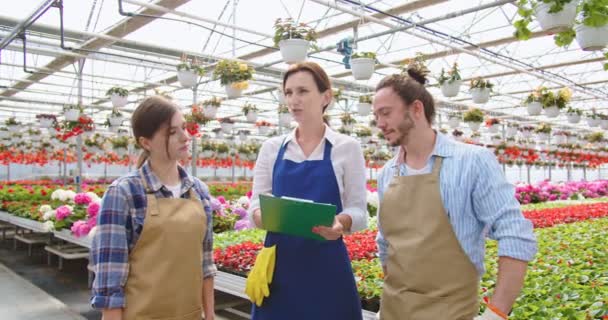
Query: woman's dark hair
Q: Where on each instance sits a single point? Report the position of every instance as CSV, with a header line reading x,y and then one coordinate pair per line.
x,y
410,87
149,117
318,74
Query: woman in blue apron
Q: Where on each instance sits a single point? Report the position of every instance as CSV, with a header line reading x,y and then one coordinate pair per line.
x,y
312,279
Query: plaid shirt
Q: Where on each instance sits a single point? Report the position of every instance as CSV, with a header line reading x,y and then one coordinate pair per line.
x,y
119,225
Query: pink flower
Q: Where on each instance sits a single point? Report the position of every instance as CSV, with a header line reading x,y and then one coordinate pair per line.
x,y
91,222
62,213
221,199
242,224
93,209
249,194
80,228
82,199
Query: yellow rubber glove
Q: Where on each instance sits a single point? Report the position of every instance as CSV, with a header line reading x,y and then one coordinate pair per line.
x,y
261,275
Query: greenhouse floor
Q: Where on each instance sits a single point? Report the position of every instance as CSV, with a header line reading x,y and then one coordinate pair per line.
x,y
32,289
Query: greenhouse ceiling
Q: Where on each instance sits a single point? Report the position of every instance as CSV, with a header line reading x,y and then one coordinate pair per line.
x,y
140,47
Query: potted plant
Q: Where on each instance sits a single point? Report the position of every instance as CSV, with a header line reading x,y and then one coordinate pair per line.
x,y
336,98
476,137
480,90
234,75
592,30
4,133
227,125
450,83
512,128
362,65
364,134
207,148
364,107
560,137
553,16
47,120
251,112
595,137
474,117
284,116
120,145
493,125
211,106
348,121
457,134
293,39
603,121
222,150
72,112
188,72
496,140
263,127
373,124
533,102
574,115
115,118
454,119
593,118
543,131
554,102
118,96
12,124
243,134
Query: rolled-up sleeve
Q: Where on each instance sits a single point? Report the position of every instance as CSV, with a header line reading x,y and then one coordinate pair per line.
x,y
355,192
495,205
262,176
110,251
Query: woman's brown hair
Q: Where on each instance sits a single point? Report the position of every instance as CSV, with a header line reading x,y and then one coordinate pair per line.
x,y
318,74
149,117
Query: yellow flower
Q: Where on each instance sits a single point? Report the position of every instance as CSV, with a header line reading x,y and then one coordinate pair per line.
x,y
566,94
240,85
243,67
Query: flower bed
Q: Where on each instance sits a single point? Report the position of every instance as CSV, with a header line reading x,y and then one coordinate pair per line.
x,y
546,191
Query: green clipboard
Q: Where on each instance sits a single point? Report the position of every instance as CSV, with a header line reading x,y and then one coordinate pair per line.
x,y
295,217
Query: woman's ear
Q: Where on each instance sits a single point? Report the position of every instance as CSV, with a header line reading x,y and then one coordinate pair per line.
x,y
327,96
144,143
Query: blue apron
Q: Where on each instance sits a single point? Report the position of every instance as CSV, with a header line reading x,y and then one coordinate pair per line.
x,y
313,279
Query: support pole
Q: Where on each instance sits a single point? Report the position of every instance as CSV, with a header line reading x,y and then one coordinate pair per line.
x,y
78,178
8,171
194,153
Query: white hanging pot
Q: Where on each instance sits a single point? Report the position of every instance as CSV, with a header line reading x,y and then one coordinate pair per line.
x,y
232,92
526,133
187,78
363,108
555,22
210,111
115,121
118,101
474,125
4,134
207,154
552,112
294,50
560,139
364,140
46,122
572,140
252,116
511,131
219,134
604,124
480,95
494,128
451,89
534,108
543,136
593,122
590,38
263,130
362,68
284,119
227,127
573,117
72,115
453,122
121,152
242,136
496,141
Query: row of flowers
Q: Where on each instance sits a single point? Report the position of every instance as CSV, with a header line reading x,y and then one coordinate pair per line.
x,y
546,191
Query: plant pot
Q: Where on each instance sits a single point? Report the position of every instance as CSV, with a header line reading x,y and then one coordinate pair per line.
x,y
207,154
115,121
121,152
534,108
572,140
362,68
593,122
294,50
451,89
604,124
13,128
552,112
526,134
453,122
232,92
573,117
227,127
494,128
364,140
219,134
285,119
364,108
4,134
591,38
496,141
542,136
474,126
252,116
72,114
555,22
210,111
46,122
263,130
480,95
560,139
118,101
511,131
187,78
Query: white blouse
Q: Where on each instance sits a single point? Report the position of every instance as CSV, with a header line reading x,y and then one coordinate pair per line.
x,y
347,161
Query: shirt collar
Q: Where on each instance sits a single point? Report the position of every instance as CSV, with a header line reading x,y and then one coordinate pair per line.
x,y
330,135
155,184
444,147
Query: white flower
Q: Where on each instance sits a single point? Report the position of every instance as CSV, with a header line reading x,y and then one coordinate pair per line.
x,y
44,208
49,226
57,194
48,215
70,195
243,202
372,198
93,196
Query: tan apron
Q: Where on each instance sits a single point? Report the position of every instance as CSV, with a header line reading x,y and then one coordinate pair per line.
x,y
165,266
429,275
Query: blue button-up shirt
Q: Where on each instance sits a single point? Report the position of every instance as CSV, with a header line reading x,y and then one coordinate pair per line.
x,y
119,225
478,200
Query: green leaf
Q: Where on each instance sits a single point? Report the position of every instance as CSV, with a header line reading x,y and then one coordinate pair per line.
x,y
565,38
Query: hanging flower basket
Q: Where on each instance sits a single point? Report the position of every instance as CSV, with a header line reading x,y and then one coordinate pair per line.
x,y
252,116
233,92
534,108
294,50
364,107
451,89
558,21
118,96
71,114
573,116
263,127
552,112
591,38
188,72
474,126
480,95
293,39
454,122
227,125
362,65
450,83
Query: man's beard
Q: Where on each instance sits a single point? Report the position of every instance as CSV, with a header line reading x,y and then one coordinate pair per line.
x,y
404,129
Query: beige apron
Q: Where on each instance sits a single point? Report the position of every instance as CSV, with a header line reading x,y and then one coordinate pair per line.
x,y
429,275
165,266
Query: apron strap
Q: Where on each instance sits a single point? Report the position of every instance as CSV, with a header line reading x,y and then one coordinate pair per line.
x,y
437,165
327,151
150,196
